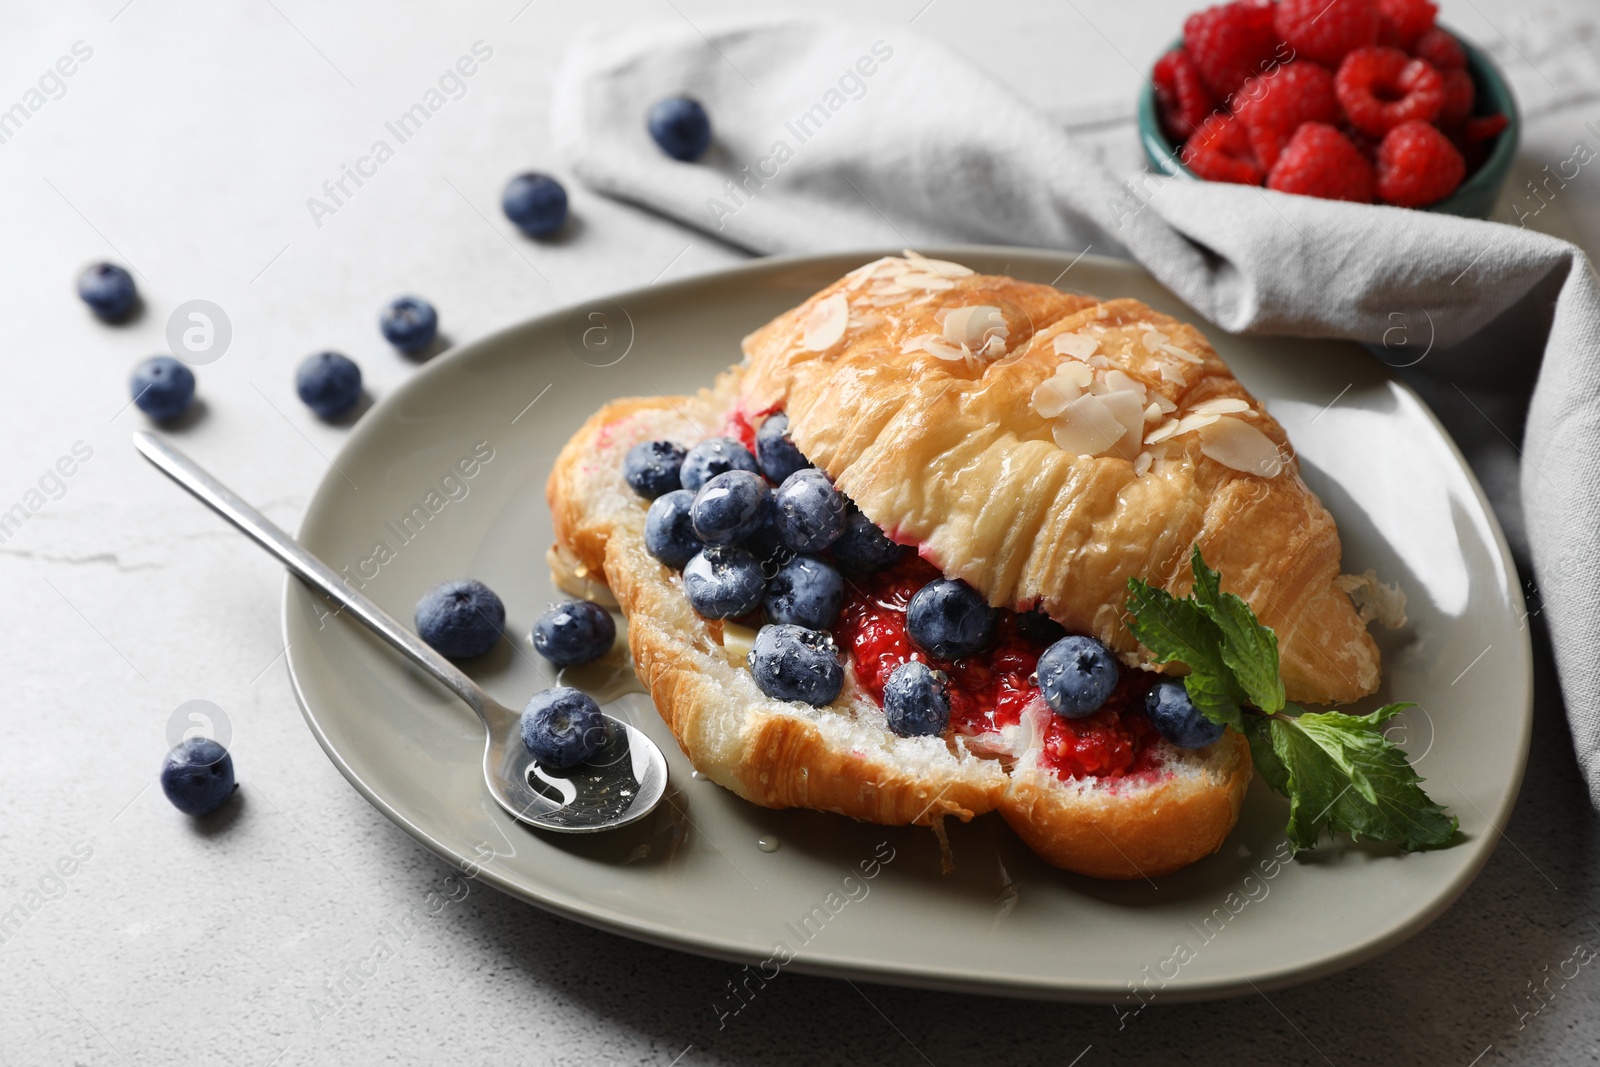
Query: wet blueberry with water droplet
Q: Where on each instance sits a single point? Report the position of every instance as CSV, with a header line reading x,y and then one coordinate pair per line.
x,y
795,663
1077,675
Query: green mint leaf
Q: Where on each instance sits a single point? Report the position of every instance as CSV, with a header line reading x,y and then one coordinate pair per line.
x,y
1249,649
1177,630
1344,775
1258,731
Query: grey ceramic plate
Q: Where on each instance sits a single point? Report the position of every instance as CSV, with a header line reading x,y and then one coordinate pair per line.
x,y
693,876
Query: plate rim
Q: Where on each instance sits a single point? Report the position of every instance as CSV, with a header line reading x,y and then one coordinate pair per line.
x,y
888,971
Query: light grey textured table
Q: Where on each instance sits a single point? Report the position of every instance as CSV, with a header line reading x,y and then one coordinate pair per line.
x,y
186,145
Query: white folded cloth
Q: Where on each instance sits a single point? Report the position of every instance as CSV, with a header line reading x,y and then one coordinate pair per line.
x,y
839,135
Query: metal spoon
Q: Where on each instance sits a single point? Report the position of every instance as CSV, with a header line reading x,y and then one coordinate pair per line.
x,y
622,784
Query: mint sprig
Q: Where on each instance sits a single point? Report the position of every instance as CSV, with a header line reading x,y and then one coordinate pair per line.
x,y
1339,772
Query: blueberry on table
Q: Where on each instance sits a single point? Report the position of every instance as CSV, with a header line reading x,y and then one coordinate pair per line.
x,y
461,618
796,663
563,727
805,591
162,387
651,468
536,202
730,507
776,451
197,776
949,619
578,631
329,383
724,582
916,700
811,512
108,290
714,456
863,548
681,127
669,529
1176,718
1077,675
409,323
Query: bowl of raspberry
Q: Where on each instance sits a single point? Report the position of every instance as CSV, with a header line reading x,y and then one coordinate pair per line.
x,y
1363,100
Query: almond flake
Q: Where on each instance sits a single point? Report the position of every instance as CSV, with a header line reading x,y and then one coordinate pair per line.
x,y
1194,422
1087,427
1051,396
1152,413
1169,373
1222,405
1142,462
1154,340
941,349
1123,382
1167,407
1182,353
1079,374
825,323
1076,345
1162,432
1237,444
975,326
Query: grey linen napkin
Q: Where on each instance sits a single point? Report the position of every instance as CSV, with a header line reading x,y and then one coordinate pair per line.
x,y
832,136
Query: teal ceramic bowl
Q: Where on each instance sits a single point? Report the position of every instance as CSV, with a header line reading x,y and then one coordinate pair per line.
x,y
1476,196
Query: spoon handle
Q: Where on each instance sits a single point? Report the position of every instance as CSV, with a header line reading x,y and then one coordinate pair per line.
x,y
181,469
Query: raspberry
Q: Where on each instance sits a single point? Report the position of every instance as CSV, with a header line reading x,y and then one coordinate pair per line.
x,y
1475,138
1220,152
1321,161
1230,42
1417,165
1325,31
1440,49
1458,97
1486,128
1272,107
1383,87
1183,97
1406,20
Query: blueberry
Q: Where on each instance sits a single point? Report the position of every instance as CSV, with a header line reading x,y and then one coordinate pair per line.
x,y
563,727
197,776
108,290
916,700
536,203
329,383
794,663
863,548
460,619
1176,717
714,456
804,591
681,127
578,631
811,512
1035,625
409,323
162,387
1076,675
724,582
776,451
949,619
651,468
731,507
669,529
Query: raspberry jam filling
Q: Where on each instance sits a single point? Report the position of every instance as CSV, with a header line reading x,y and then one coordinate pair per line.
x,y
990,690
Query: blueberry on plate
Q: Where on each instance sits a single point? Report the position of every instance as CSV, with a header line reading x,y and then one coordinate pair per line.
x,y
409,323
329,383
714,456
651,468
949,619
669,529
461,618
805,591
578,631
1176,718
724,582
794,663
776,451
863,548
916,700
108,290
536,202
681,127
1076,675
197,776
811,512
730,507
563,727
162,387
